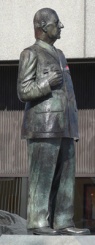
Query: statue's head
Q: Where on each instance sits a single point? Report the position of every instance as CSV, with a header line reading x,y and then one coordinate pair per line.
x,y
47,25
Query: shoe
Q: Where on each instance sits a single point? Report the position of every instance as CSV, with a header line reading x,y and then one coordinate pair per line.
x,y
45,231
74,231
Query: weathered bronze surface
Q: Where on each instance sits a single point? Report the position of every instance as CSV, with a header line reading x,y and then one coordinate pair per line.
x,y
49,125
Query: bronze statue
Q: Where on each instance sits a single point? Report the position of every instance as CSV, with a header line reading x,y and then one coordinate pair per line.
x,y
50,127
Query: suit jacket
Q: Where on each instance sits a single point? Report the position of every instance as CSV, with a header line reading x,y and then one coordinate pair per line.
x,y
48,112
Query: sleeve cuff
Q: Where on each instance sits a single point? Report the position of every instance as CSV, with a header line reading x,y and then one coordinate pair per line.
x,y
45,87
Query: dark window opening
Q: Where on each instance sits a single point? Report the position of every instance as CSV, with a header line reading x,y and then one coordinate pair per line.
x,y
83,76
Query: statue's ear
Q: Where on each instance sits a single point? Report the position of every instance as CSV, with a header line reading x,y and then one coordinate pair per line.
x,y
43,26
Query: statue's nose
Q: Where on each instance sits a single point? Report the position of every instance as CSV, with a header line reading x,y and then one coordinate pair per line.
x,y
61,25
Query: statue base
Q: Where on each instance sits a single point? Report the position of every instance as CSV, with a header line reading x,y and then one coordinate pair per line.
x,y
46,240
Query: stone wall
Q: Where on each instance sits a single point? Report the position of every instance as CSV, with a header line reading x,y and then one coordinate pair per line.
x,y
16,27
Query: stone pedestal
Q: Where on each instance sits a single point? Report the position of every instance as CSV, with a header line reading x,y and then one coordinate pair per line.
x,y
46,240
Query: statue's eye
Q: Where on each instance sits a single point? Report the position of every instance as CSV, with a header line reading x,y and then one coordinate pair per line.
x,y
56,22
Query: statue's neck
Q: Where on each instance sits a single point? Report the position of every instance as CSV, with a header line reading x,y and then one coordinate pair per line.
x,y
43,37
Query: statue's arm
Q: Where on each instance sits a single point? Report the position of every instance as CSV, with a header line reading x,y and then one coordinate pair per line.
x,y
27,86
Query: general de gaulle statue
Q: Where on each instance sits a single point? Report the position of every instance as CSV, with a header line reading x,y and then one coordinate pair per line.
x,y
50,126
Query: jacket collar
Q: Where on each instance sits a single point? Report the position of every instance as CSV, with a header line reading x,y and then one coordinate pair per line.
x,y
49,48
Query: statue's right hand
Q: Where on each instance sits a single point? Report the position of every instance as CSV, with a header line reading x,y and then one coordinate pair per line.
x,y
55,78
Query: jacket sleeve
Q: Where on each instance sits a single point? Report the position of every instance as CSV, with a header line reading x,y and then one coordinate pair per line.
x,y
27,86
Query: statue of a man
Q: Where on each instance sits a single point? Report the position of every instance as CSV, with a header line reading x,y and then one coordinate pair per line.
x,y
50,127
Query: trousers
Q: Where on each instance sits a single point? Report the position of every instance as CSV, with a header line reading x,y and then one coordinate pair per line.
x,y
51,182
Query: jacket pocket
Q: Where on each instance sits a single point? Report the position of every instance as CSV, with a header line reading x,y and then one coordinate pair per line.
x,y
54,104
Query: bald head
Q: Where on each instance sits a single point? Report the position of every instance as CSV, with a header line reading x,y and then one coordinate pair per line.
x,y
42,17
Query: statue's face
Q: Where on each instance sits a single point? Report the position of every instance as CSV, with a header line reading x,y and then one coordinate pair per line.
x,y
53,27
